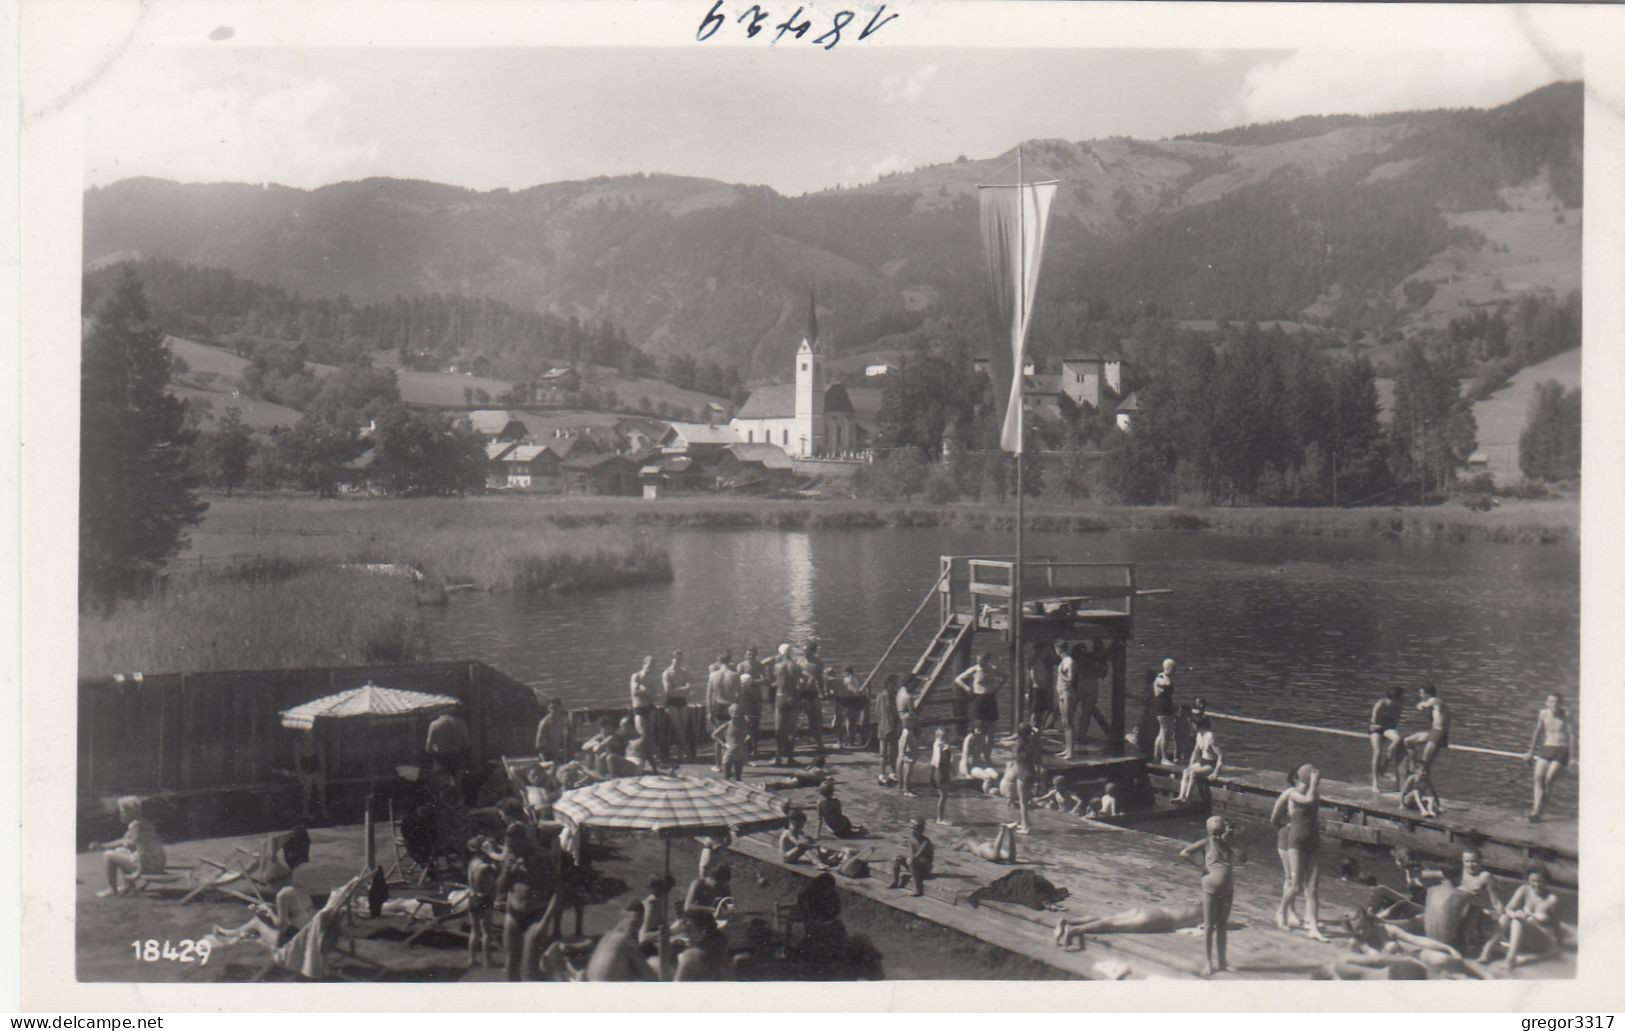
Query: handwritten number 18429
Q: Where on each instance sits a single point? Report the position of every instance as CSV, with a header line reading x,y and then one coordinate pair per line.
x,y
756,19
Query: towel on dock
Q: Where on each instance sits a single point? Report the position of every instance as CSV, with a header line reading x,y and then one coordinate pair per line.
x,y
1022,887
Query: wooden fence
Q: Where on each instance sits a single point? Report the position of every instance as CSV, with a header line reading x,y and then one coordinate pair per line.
x,y
194,731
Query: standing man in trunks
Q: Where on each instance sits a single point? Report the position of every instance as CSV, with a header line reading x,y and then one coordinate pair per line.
x,y
642,687
1437,737
1162,706
786,706
752,665
553,734
813,690
1387,744
718,697
674,688
1549,751
1066,700
1041,686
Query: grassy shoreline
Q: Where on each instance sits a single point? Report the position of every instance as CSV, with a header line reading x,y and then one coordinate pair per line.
x,y
1548,521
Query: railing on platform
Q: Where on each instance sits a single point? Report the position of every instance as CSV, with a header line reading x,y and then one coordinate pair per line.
x,y
1109,587
1499,753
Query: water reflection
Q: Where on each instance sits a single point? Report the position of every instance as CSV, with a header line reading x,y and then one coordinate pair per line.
x,y
1300,629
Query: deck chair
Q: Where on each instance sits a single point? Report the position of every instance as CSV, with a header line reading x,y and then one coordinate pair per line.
x,y
307,953
403,869
238,871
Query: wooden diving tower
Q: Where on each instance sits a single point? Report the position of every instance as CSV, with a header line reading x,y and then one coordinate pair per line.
x,y
1071,602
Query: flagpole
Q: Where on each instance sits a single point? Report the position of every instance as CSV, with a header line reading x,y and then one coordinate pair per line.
x,y
1017,673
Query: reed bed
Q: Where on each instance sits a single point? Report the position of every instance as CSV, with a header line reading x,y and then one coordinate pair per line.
x,y
610,524
277,614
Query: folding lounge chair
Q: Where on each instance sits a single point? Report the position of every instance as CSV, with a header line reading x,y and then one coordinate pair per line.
x,y
307,953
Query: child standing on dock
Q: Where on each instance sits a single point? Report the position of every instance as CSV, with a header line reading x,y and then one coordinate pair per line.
x,y
731,738
1549,751
942,766
1387,744
1218,892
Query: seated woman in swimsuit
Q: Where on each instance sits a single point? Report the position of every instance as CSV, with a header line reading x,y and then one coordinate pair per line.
x,y
139,852
1302,848
1139,920
1206,761
1530,918
1002,849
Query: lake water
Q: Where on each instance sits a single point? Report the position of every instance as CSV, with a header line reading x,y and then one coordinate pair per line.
x,y
1300,629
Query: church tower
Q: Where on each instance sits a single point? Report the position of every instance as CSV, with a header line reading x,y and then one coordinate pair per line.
x,y
808,436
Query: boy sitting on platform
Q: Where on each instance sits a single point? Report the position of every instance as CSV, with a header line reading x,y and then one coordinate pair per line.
x,y
1418,793
1059,797
1106,804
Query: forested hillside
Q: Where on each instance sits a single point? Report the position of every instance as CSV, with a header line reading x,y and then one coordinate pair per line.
x,y
1371,226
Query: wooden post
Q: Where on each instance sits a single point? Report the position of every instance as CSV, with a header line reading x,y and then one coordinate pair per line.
x,y
1119,658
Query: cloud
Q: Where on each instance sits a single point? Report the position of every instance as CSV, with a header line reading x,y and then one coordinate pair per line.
x,y
1372,82
899,86
887,165
227,129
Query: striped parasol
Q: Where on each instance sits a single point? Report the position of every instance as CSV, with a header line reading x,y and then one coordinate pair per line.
x,y
671,806
369,700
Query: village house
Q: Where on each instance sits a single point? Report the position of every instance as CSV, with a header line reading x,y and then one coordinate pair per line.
x,y
574,445
747,464
704,444
878,369
601,474
808,418
496,424
1127,411
1090,379
496,473
641,434
534,467
663,473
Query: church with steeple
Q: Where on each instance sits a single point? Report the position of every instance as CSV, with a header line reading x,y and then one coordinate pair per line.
x,y
810,418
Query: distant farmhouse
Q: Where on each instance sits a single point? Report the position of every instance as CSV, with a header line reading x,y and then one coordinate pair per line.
x,y
808,419
496,424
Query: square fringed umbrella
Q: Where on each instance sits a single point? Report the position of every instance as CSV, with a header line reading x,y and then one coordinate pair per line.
x,y
671,807
368,702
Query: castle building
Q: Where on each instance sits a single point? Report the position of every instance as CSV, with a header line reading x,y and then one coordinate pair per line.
x,y
809,418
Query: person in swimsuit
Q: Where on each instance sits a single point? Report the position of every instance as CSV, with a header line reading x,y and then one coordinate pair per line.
x,y
832,815
1162,706
1549,751
977,682
1029,763
1436,738
1218,889
1002,849
1206,762
1090,664
674,697
916,864
718,697
1139,920
1387,744
976,759
786,706
1283,833
553,733
905,742
310,766
643,696
814,688
731,738
526,878
1303,846
482,899
1418,793
616,956
942,767
1530,918
1041,686
139,852
1066,698
886,728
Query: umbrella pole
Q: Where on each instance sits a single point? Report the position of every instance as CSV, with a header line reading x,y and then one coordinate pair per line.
x,y
665,924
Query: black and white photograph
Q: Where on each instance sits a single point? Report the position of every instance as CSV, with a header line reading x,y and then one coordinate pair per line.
x,y
761,492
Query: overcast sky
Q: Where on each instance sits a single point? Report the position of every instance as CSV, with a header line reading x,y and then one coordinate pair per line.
x,y
797,120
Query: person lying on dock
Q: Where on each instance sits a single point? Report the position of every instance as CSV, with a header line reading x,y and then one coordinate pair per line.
x,y
1139,920
1419,794
1548,751
848,862
1387,743
1002,849
829,810
1530,918
1059,797
1427,744
1206,761
139,853
916,864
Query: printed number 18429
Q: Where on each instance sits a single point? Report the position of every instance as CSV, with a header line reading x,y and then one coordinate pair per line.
x,y
151,950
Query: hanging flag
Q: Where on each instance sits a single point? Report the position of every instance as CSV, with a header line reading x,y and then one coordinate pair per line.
x,y
1013,222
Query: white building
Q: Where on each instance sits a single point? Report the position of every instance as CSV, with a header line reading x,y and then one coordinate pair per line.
x,y
808,418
